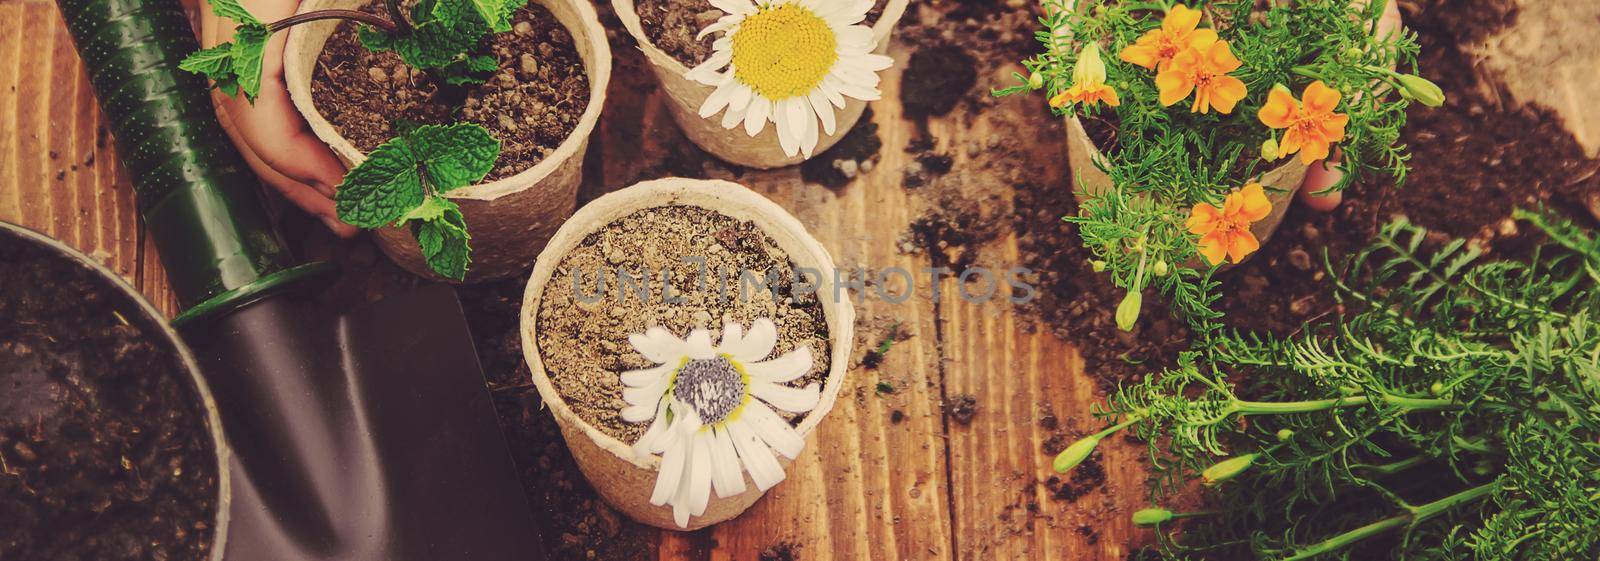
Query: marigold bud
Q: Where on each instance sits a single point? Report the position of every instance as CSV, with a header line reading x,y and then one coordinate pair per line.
x,y
1226,469
1160,268
1035,81
1151,516
1098,265
1075,454
1128,310
1421,89
1269,150
1284,435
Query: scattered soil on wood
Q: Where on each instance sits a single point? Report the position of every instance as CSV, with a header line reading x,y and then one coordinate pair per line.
x,y
853,155
783,551
962,408
105,449
585,346
671,25
532,103
935,80
579,524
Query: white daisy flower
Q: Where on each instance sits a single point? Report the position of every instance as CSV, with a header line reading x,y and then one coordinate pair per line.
x,y
790,62
710,411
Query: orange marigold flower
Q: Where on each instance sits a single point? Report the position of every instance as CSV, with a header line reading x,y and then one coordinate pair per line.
x,y
1225,233
1312,126
1203,70
1156,48
1088,81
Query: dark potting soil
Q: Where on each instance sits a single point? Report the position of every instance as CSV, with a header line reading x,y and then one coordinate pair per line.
x,y
532,103
105,449
672,26
584,345
935,80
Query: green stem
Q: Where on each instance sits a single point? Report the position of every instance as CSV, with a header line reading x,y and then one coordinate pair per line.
x,y
319,15
1285,407
1412,516
1392,468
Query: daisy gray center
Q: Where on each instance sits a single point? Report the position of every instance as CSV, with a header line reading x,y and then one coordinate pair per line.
x,y
713,387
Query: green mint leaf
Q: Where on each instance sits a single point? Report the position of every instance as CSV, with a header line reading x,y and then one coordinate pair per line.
x,y
497,13
443,238
454,156
215,63
232,10
382,189
469,70
249,47
375,40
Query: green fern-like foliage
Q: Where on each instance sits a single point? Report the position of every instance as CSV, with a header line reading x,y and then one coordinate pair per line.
x,y
1452,413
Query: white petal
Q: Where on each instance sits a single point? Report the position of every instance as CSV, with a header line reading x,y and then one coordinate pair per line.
x,y
793,400
741,98
796,108
852,76
873,62
658,429
722,24
727,477
863,93
658,345
758,460
845,13
717,100
775,431
638,414
637,378
756,344
732,116
830,88
700,469
787,137
698,345
819,105
671,474
646,395
808,143
791,365
853,34
756,118
734,6
680,503
732,332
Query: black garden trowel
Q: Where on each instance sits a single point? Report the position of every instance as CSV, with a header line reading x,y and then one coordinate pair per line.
x,y
362,436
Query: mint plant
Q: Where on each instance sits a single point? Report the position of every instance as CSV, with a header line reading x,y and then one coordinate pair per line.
x,y
402,182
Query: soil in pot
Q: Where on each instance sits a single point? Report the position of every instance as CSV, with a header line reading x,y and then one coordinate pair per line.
x,y
105,450
585,345
532,103
672,25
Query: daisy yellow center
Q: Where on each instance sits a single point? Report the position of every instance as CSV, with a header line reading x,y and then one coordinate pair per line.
x,y
714,387
783,51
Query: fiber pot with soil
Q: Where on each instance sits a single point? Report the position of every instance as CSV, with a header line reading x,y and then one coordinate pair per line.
x,y
110,446
806,68
1189,129
462,120
688,338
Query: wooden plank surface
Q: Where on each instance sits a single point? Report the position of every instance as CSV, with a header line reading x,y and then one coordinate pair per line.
x,y
892,477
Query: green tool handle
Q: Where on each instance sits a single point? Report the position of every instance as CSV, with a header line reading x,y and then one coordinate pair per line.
x,y
200,202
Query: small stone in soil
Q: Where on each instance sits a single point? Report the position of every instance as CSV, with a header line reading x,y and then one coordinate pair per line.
x,y
963,408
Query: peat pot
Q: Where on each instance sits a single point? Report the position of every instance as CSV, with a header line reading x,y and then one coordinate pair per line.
x,y
626,479
111,440
509,219
685,96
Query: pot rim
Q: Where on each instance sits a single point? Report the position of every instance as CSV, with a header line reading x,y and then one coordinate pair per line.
x,y
599,66
724,197
893,10
185,357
